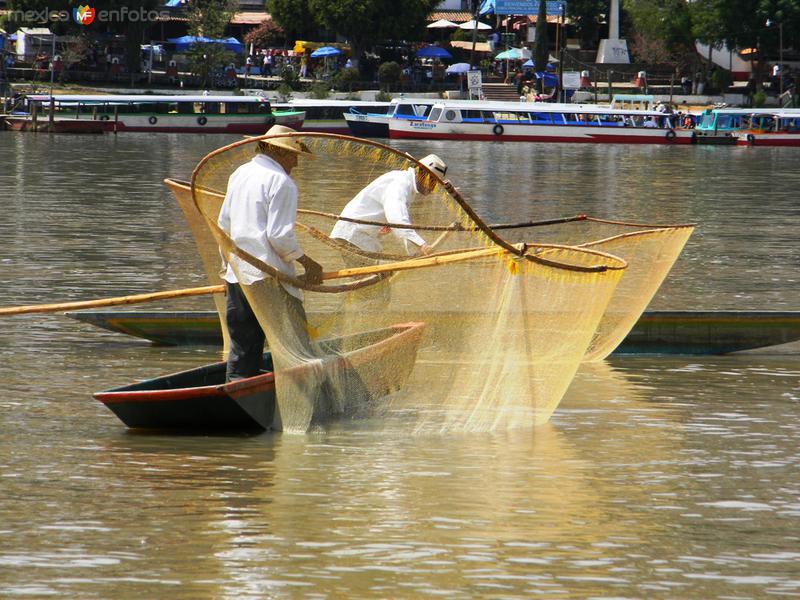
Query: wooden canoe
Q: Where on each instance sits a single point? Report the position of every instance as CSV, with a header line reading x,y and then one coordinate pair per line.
x,y
200,399
657,332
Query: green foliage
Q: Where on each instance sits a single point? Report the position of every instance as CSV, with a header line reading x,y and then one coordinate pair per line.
x,y
291,78
759,99
382,96
294,17
284,92
664,23
209,18
586,16
362,22
389,74
346,78
721,79
465,35
319,90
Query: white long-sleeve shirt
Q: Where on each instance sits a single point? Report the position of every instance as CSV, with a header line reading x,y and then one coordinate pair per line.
x,y
258,214
385,199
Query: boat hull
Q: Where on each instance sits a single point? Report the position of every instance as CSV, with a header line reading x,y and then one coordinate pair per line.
x,y
200,399
490,132
56,126
657,332
155,123
710,332
368,125
790,140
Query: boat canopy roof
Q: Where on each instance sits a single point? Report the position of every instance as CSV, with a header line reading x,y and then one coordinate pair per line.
x,y
144,98
543,107
307,102
784,112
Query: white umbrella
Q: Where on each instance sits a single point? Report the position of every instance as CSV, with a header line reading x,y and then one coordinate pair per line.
x,y
471,25
442,24
458,68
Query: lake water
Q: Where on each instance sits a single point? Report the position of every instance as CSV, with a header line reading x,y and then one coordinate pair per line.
x,y
657,477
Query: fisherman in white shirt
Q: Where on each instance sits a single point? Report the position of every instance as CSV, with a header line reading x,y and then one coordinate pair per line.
x,y
258,214
386,200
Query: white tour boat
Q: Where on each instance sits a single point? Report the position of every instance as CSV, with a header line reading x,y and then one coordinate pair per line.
x,y
542,122
152,113
750,126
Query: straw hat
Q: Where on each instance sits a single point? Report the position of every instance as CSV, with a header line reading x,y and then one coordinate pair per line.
x,y
435,164
284,142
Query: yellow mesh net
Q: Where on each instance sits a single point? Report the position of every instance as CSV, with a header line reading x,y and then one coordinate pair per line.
x,y
206,247
482,334
649,250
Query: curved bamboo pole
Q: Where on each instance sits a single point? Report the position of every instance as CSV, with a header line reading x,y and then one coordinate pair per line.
x,y
363,272
115,301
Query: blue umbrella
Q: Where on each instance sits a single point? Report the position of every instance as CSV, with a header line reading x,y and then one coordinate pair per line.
x,y
184,42
325,51
433,52
550,80
232,44
529,63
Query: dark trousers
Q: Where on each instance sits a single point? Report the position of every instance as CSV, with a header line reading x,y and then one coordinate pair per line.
x,y
246,335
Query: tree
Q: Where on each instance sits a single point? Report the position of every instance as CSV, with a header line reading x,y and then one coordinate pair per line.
x,y
742,24
661,28
294,17
361,22
208,18
540,50
268,34
586,15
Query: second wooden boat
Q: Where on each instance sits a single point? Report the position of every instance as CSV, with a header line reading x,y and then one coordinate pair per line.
x,y
656,332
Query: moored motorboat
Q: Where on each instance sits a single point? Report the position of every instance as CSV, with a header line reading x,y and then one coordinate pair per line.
x,y
153,114
749,126
326,116
200,399
60,125
541,122
376,124
695,332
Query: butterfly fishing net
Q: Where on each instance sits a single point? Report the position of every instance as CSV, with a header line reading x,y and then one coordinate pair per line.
x,y
649,250
206,246
497,330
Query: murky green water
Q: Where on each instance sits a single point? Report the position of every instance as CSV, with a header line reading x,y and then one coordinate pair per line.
x,y
658,477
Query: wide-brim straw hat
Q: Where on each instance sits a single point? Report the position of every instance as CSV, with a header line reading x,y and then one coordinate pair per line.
x,y
286,139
